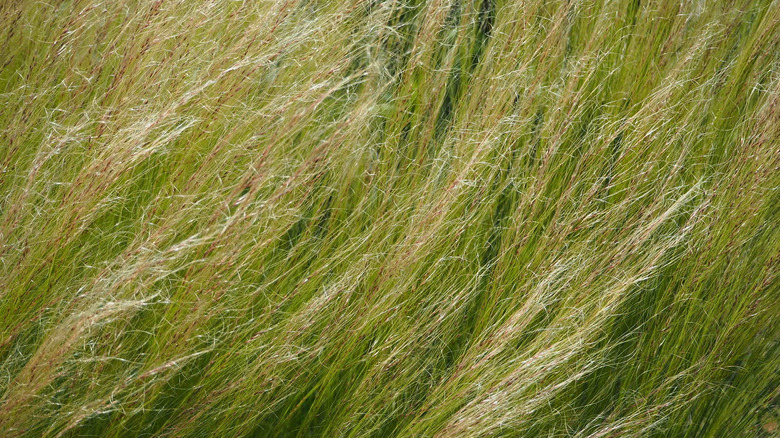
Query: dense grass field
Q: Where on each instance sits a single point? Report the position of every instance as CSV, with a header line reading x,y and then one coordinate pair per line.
x,y
399,218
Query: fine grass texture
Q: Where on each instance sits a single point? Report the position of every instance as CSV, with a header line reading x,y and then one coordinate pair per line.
x,y
399,218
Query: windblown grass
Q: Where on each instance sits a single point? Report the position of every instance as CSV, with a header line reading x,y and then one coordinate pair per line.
x,y
400,218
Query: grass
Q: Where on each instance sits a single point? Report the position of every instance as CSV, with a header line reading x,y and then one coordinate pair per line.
x,y
401,218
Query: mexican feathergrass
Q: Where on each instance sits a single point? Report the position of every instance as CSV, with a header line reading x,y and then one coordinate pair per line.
x,y
399,218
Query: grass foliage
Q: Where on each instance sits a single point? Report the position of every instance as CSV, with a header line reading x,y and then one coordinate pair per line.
x,y
399,218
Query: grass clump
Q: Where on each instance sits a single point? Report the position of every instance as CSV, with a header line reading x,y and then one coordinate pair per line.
x,y
406,218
